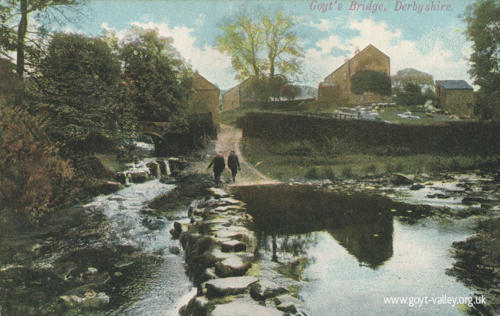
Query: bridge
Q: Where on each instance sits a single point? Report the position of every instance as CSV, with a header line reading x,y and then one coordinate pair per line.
x,y
157,131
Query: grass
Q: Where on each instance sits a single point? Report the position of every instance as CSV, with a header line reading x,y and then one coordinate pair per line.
x,y
305,160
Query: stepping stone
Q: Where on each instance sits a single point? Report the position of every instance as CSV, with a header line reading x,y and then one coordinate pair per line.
x,y
228,286
228,207
244,308
287,303
232,266
233,246
218,193
265,289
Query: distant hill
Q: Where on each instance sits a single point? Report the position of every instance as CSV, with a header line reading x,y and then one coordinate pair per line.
x,y
412,75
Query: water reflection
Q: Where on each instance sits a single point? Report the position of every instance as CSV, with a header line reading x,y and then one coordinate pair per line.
x,y
286,215
351,251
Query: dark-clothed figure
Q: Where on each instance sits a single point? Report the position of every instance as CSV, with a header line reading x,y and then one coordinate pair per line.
x,y
218,164
234,164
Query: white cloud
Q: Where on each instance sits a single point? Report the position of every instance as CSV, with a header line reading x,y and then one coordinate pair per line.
x,y
323,25
430,54
210,63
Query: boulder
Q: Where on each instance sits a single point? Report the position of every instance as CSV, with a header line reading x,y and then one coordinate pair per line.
x,y
121,177
233,246
198,305
138,176
228,286
287,303
232,266
174,250
154,169
244,308
400,179
265,289
107,187
218,193
417,186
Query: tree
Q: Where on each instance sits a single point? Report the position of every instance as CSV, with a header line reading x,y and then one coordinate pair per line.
x,y
290,91
411,95
78,87
158,82
283,50
371,81
14,17
243,40
483,29
262,48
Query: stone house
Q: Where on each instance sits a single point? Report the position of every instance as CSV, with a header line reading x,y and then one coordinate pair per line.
x,y
336,87
455,96
234,97
207,96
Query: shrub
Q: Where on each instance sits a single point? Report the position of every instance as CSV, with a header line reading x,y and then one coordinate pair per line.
x,y
33,178
313,173
347,172
371,81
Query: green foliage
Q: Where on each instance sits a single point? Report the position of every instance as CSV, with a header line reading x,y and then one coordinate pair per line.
x,y
261,47
410,75
371,81
243,40
14,18
290,92
411,95
33,178
158,82
78,87
483,29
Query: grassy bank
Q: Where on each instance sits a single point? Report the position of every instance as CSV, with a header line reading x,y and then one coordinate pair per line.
x,y
304,159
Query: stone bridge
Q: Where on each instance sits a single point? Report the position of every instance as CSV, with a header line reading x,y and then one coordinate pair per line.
x,y
157,131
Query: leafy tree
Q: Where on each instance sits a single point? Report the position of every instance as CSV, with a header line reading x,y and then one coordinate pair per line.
x,y
483,29
14,17
411,95
158,82
371,81
78,88
261,48
290,91
243,40
283,50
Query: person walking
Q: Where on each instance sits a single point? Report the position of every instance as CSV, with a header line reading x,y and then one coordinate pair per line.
x,y
234,164
219,165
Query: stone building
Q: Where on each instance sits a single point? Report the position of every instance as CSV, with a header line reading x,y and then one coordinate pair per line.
x,y
234,97
336,87
455,96
206,95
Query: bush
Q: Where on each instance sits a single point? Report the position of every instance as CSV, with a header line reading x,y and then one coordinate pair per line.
x,y
33,178
371,81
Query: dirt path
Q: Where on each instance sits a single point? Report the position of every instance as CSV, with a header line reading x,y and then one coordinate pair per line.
x,y
229,139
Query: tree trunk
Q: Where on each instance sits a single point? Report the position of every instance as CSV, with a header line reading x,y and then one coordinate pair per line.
x,y
21,35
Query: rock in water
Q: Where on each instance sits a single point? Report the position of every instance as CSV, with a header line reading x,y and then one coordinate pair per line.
x,y
232,266
229,286
401,179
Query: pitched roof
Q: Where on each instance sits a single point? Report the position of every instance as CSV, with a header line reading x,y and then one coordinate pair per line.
x,y
369,45
201,83
454,84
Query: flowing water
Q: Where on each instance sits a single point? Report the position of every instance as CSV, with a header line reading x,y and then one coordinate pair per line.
x,y
356,254
132,224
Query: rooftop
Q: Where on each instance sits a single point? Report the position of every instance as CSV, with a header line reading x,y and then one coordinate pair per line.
x,y
454,84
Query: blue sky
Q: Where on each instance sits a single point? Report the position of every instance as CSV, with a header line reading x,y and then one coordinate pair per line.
x,y
430,41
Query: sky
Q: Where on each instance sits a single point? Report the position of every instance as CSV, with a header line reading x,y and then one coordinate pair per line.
x,y
427,35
